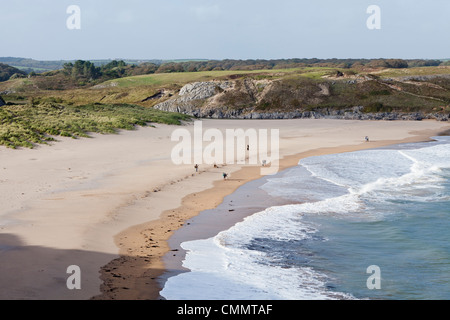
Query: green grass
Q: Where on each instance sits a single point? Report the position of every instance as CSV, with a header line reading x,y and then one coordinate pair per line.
x,y
181,78
27,125
317,73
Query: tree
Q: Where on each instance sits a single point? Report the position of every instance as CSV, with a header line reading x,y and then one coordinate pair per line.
x,y
114,64
397,63
83,70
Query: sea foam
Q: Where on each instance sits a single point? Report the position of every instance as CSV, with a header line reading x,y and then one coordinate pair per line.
x,y
263,257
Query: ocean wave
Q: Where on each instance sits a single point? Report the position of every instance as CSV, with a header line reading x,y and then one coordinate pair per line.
x,y
361,185
224,267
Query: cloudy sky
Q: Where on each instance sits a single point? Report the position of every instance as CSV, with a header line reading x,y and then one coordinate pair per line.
x,y
221,29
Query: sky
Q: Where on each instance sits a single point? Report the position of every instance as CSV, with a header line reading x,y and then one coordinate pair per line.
x,y
224,29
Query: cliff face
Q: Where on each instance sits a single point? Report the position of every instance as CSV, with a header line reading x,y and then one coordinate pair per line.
x,y
193,96
234,99
273,99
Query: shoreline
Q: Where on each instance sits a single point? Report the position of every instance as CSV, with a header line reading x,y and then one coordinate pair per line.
x,y
110,204
164,259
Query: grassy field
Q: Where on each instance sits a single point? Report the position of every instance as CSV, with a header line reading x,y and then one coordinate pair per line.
x,y
181,78
316,73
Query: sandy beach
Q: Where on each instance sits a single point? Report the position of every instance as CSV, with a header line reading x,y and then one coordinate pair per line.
x,y
109,204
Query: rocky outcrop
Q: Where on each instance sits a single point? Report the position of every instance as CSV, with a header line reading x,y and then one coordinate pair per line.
x,y
347,114
192,96
205,100
2,102
106,85
203,90
158,95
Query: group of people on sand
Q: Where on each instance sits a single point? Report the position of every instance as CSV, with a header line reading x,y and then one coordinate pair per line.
x,y
264,163
225,175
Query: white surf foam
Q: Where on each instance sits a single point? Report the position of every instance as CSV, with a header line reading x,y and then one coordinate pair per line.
x,y
223,267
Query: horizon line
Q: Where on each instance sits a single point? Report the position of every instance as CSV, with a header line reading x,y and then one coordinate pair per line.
x,y
222,59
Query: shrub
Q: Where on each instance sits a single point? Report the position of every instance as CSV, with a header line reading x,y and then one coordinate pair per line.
x,y
375,107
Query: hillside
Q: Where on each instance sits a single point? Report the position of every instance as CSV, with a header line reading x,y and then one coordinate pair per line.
x,y
351,96
420,89
34,111
6,72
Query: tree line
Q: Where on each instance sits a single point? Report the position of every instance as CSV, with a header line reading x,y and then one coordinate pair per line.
x,y
89,72
210,65
118,68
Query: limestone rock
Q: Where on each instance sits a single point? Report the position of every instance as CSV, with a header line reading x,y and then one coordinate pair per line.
x,y
203,100
202,90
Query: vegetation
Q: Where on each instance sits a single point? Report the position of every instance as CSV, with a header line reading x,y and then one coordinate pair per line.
x,y
84,97
379,95
181,78
82,73
40,121
29,65
32,65
6,72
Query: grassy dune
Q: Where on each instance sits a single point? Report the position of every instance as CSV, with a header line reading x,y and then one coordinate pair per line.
x,y
27,125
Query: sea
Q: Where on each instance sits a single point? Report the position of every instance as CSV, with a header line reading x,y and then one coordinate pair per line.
x,y
371,224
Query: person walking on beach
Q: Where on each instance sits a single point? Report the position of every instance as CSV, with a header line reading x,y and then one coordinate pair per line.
x,y
196,168
225,176
367,138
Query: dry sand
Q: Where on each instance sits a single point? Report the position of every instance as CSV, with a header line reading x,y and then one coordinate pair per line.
x,y
109,204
